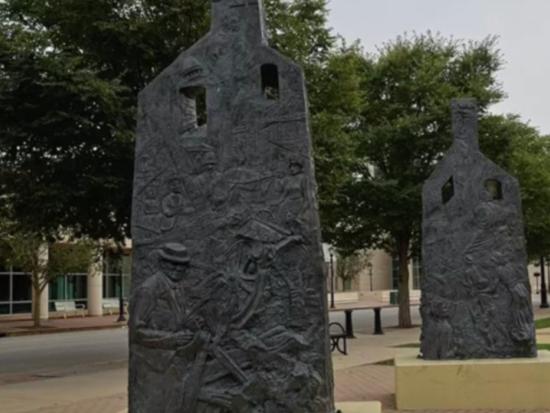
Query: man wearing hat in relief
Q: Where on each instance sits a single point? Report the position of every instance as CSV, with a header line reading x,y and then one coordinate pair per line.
x,y
167,329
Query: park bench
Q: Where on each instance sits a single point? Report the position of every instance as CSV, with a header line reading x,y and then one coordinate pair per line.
x,y
70,307
338,338
111,305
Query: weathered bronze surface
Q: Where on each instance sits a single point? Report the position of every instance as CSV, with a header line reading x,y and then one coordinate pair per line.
x,y
228,304
476,297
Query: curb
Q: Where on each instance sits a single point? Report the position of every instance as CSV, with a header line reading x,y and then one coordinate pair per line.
x,y
55,330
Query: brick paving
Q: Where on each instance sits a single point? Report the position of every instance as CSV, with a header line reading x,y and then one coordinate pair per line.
x,y
372,382
357,378
361,383
365,383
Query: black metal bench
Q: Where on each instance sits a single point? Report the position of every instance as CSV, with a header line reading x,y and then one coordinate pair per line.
x,y
338,338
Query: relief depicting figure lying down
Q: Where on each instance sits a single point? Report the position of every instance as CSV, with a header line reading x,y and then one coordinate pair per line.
x,y
476,298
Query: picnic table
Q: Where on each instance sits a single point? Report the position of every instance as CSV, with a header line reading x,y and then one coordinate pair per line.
x,y
348,310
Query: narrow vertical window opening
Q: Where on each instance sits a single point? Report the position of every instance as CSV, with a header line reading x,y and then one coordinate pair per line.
x,y
195,112
448,190
270,81
494,188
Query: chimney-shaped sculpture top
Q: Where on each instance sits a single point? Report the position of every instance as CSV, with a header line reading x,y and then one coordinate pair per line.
x,y
465,124
244,18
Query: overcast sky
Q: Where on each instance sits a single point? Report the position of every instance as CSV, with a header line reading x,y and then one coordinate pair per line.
x,y
522,25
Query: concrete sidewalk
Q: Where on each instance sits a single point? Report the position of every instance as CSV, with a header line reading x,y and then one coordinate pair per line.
x,y
22,327
364,375
102,392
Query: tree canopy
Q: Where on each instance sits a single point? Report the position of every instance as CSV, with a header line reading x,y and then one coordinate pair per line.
x,y
70,71
523,152
404,131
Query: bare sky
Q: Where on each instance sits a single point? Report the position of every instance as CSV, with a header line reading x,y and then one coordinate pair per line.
x,y
523,27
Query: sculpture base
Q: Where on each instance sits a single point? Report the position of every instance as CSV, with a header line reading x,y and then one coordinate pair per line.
x,y
359,407
346,407
473,384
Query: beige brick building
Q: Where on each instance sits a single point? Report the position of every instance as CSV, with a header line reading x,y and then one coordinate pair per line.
x,y
379,278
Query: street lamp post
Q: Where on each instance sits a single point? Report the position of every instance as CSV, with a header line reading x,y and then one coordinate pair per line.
x,y
543,289
537,287
331,253
121,317
369,266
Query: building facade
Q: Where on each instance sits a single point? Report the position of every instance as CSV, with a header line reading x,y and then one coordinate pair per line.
x,y
90,287
380,279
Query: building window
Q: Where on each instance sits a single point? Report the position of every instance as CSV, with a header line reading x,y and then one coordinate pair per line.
x,y
5,286
494,188
22,287
69,287
15,292
5,292
19,308
417,273
116,267
448,190
270,81
395,273
194,107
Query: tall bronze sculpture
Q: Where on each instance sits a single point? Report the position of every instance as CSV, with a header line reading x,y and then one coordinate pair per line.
x,y
476,297
228,303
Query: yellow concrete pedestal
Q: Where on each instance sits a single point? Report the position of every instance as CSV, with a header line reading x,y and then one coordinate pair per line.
x,y
359,407
473,384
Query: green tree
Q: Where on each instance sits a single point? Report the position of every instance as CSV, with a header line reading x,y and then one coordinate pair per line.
x,y
349,267
523,152
70,74
405,130
44,261
62,157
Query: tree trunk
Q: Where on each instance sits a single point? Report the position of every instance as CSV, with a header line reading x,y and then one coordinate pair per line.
x,y
39,281
36,304
404,293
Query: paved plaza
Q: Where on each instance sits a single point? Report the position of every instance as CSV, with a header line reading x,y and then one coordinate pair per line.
x,y
35,379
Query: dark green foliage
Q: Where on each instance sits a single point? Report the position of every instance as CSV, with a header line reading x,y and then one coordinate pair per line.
x,y
522,151
70,71
405,130
63,153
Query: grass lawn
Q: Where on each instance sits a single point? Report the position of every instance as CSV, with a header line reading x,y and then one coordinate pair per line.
x,y
542,323
417,345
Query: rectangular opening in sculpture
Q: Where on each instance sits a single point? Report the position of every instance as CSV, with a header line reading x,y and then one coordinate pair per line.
x,y
494,188
448,190
195,110
270,81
